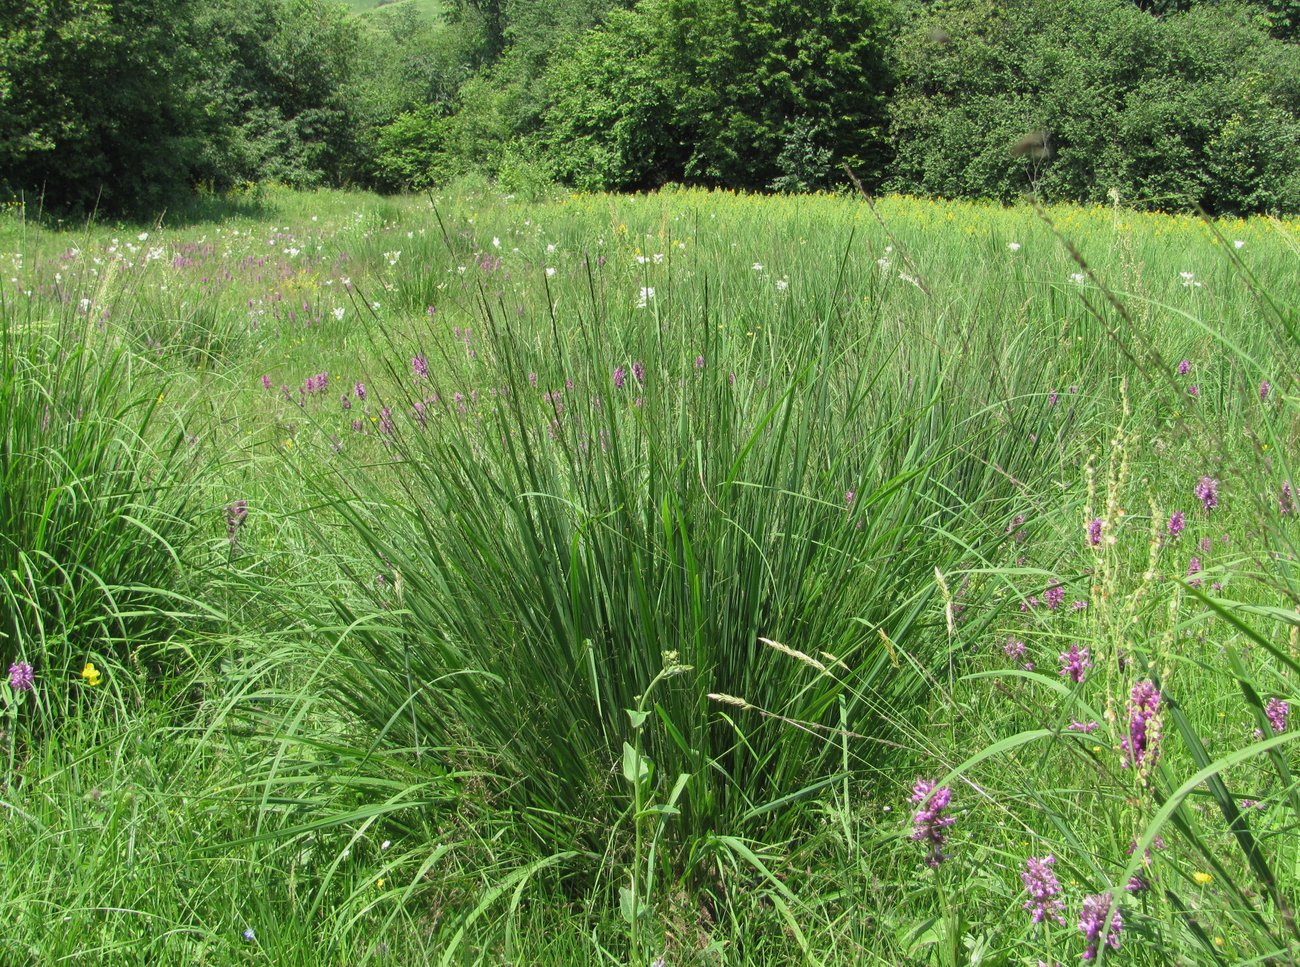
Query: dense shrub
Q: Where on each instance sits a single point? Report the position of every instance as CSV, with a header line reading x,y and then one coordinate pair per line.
x,y
94,102
407,150
720,94
611,120
1079,99
748,73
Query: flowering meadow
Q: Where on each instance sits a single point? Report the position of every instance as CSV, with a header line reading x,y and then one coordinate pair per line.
x,y
687,578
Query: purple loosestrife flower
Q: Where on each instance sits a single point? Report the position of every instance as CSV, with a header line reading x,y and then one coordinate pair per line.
x,y
266,381
1193,568
1194,391
1052,397
849,497
1054,597
620,377
1177,521
1085,727
1096,919
1094,531
929,824
1044,890
1276,710
420,366
1075,663
21,678
1265,388
1286,502
1142,746
638,371
699,362
236,514
1207,492
1184,367
360,390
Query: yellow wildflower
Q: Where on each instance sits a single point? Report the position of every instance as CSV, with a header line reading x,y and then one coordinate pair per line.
x,y
1204,879
90,673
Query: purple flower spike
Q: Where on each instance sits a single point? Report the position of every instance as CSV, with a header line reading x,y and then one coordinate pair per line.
x,y
1096,919
21,678
266,381
1264,389
360,390
929,824
1177,521
1142,747
699,362
1207,492
420,366
236,514
1044,890
1184,367
620,377
1054,597
1276,710
1094,531
1075,663
638,371
1287,502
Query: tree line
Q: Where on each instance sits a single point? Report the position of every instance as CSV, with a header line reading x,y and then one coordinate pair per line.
x,y
126,106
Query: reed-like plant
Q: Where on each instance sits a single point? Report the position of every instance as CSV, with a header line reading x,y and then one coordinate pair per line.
x,y
95,505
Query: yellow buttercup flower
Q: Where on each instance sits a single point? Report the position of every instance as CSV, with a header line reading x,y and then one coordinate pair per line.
x,y
1204,879
90,673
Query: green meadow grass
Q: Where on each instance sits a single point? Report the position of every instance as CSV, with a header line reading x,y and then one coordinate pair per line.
x,y
612,568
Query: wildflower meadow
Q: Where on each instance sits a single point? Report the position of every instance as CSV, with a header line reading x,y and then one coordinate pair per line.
x,y
680,578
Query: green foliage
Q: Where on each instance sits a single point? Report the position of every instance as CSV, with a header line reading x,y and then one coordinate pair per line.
x,y
804,163
408,150
611,121
747,72
95,105
1078,100
94,505
711,92
273,77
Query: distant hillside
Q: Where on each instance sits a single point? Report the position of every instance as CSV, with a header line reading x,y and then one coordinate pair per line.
x,y
366,7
